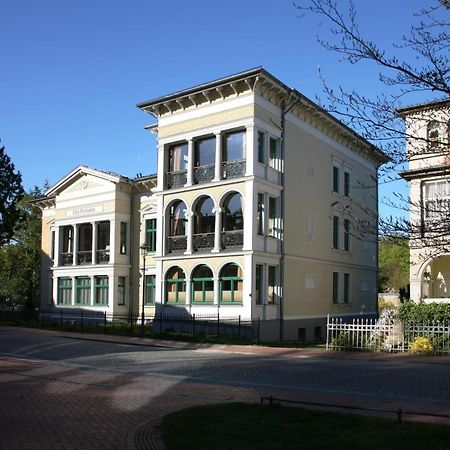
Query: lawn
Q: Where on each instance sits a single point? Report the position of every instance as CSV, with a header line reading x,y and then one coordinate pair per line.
x,y
247,426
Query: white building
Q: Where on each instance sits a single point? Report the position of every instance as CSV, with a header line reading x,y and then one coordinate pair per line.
x,y
265,206
428,174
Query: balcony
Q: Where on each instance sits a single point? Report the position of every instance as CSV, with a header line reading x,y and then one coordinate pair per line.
x,y
176,179
176,244
84,257
233,169
203,241
232,239
203,174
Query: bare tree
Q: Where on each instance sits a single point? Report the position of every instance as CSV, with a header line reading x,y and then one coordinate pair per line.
x,y
419,69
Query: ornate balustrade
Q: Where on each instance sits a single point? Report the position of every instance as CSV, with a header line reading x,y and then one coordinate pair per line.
x,y
102,256
232,239
203,174
233,169
66,258
176,179
176,244
84,257
203,241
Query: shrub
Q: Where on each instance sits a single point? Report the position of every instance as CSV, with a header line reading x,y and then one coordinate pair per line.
x,y
421,346
410,312
385,304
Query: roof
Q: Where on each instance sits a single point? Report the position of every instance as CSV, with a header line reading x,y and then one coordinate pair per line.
x,y
425,171
423,106
281,94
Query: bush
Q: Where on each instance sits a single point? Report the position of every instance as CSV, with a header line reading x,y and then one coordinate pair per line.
x,y
410,312
385,304
421,346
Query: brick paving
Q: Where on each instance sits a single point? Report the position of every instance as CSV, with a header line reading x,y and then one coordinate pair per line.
x,y
50,406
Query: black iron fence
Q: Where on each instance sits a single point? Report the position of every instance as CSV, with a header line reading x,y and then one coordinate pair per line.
x,y
193,326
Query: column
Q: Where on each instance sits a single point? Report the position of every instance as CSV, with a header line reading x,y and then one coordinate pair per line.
x,y
218,160
94,242
188,291
251,139
75,244
92,289
217,229
161,168
190,166
112,241
56,262
188,215
216,290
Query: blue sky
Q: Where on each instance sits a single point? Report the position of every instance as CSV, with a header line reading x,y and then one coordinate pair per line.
x,y
72,71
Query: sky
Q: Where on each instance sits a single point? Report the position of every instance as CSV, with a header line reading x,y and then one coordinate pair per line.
x,y
72,71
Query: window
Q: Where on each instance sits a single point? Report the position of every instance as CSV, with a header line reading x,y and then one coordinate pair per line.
x,y
233,146
204,218
85,238
261,214
433,134
150,285
346,235
261,147
178,157
101,290
336,179
271,283
67,233
150,234
317,333
259,284
123,238
436,198
335,232
103,235
274,153
82,291
121,291
231,281
346,288
335,287
202,285
177,225
175,286
205,152
232,217
346,184
273,217
64,291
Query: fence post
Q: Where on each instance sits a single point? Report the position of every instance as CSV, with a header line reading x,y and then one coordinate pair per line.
x,y
104,322
218,323
239,329
193,325
82,321
328,327
259,330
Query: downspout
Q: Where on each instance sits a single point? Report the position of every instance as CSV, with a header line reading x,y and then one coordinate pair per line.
x,y
377,242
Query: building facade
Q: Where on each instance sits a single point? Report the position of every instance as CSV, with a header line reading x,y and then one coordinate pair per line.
x,y
428,176
264,207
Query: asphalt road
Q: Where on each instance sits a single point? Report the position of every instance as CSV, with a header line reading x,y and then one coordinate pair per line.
x,y
394,382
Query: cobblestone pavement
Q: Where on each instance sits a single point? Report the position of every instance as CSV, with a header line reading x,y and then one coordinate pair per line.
x,y
52,405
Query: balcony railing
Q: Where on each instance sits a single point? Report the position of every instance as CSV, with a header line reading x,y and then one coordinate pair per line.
x,y
66,258
203,241
233,169
102,256
176,179
232,239
176,244
84,257
203,174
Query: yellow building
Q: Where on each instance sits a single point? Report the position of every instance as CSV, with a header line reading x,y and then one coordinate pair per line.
x,y
264,207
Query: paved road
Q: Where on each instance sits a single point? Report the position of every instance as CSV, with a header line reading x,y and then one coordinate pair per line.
x,y
61,392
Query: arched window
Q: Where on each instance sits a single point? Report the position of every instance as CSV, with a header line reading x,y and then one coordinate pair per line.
x,y
175,285
204,218
232,218
231,284
433,134
177,220
202,285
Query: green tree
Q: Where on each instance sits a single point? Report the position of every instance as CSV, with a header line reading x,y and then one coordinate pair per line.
x,y
11,191
20,257
393,262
